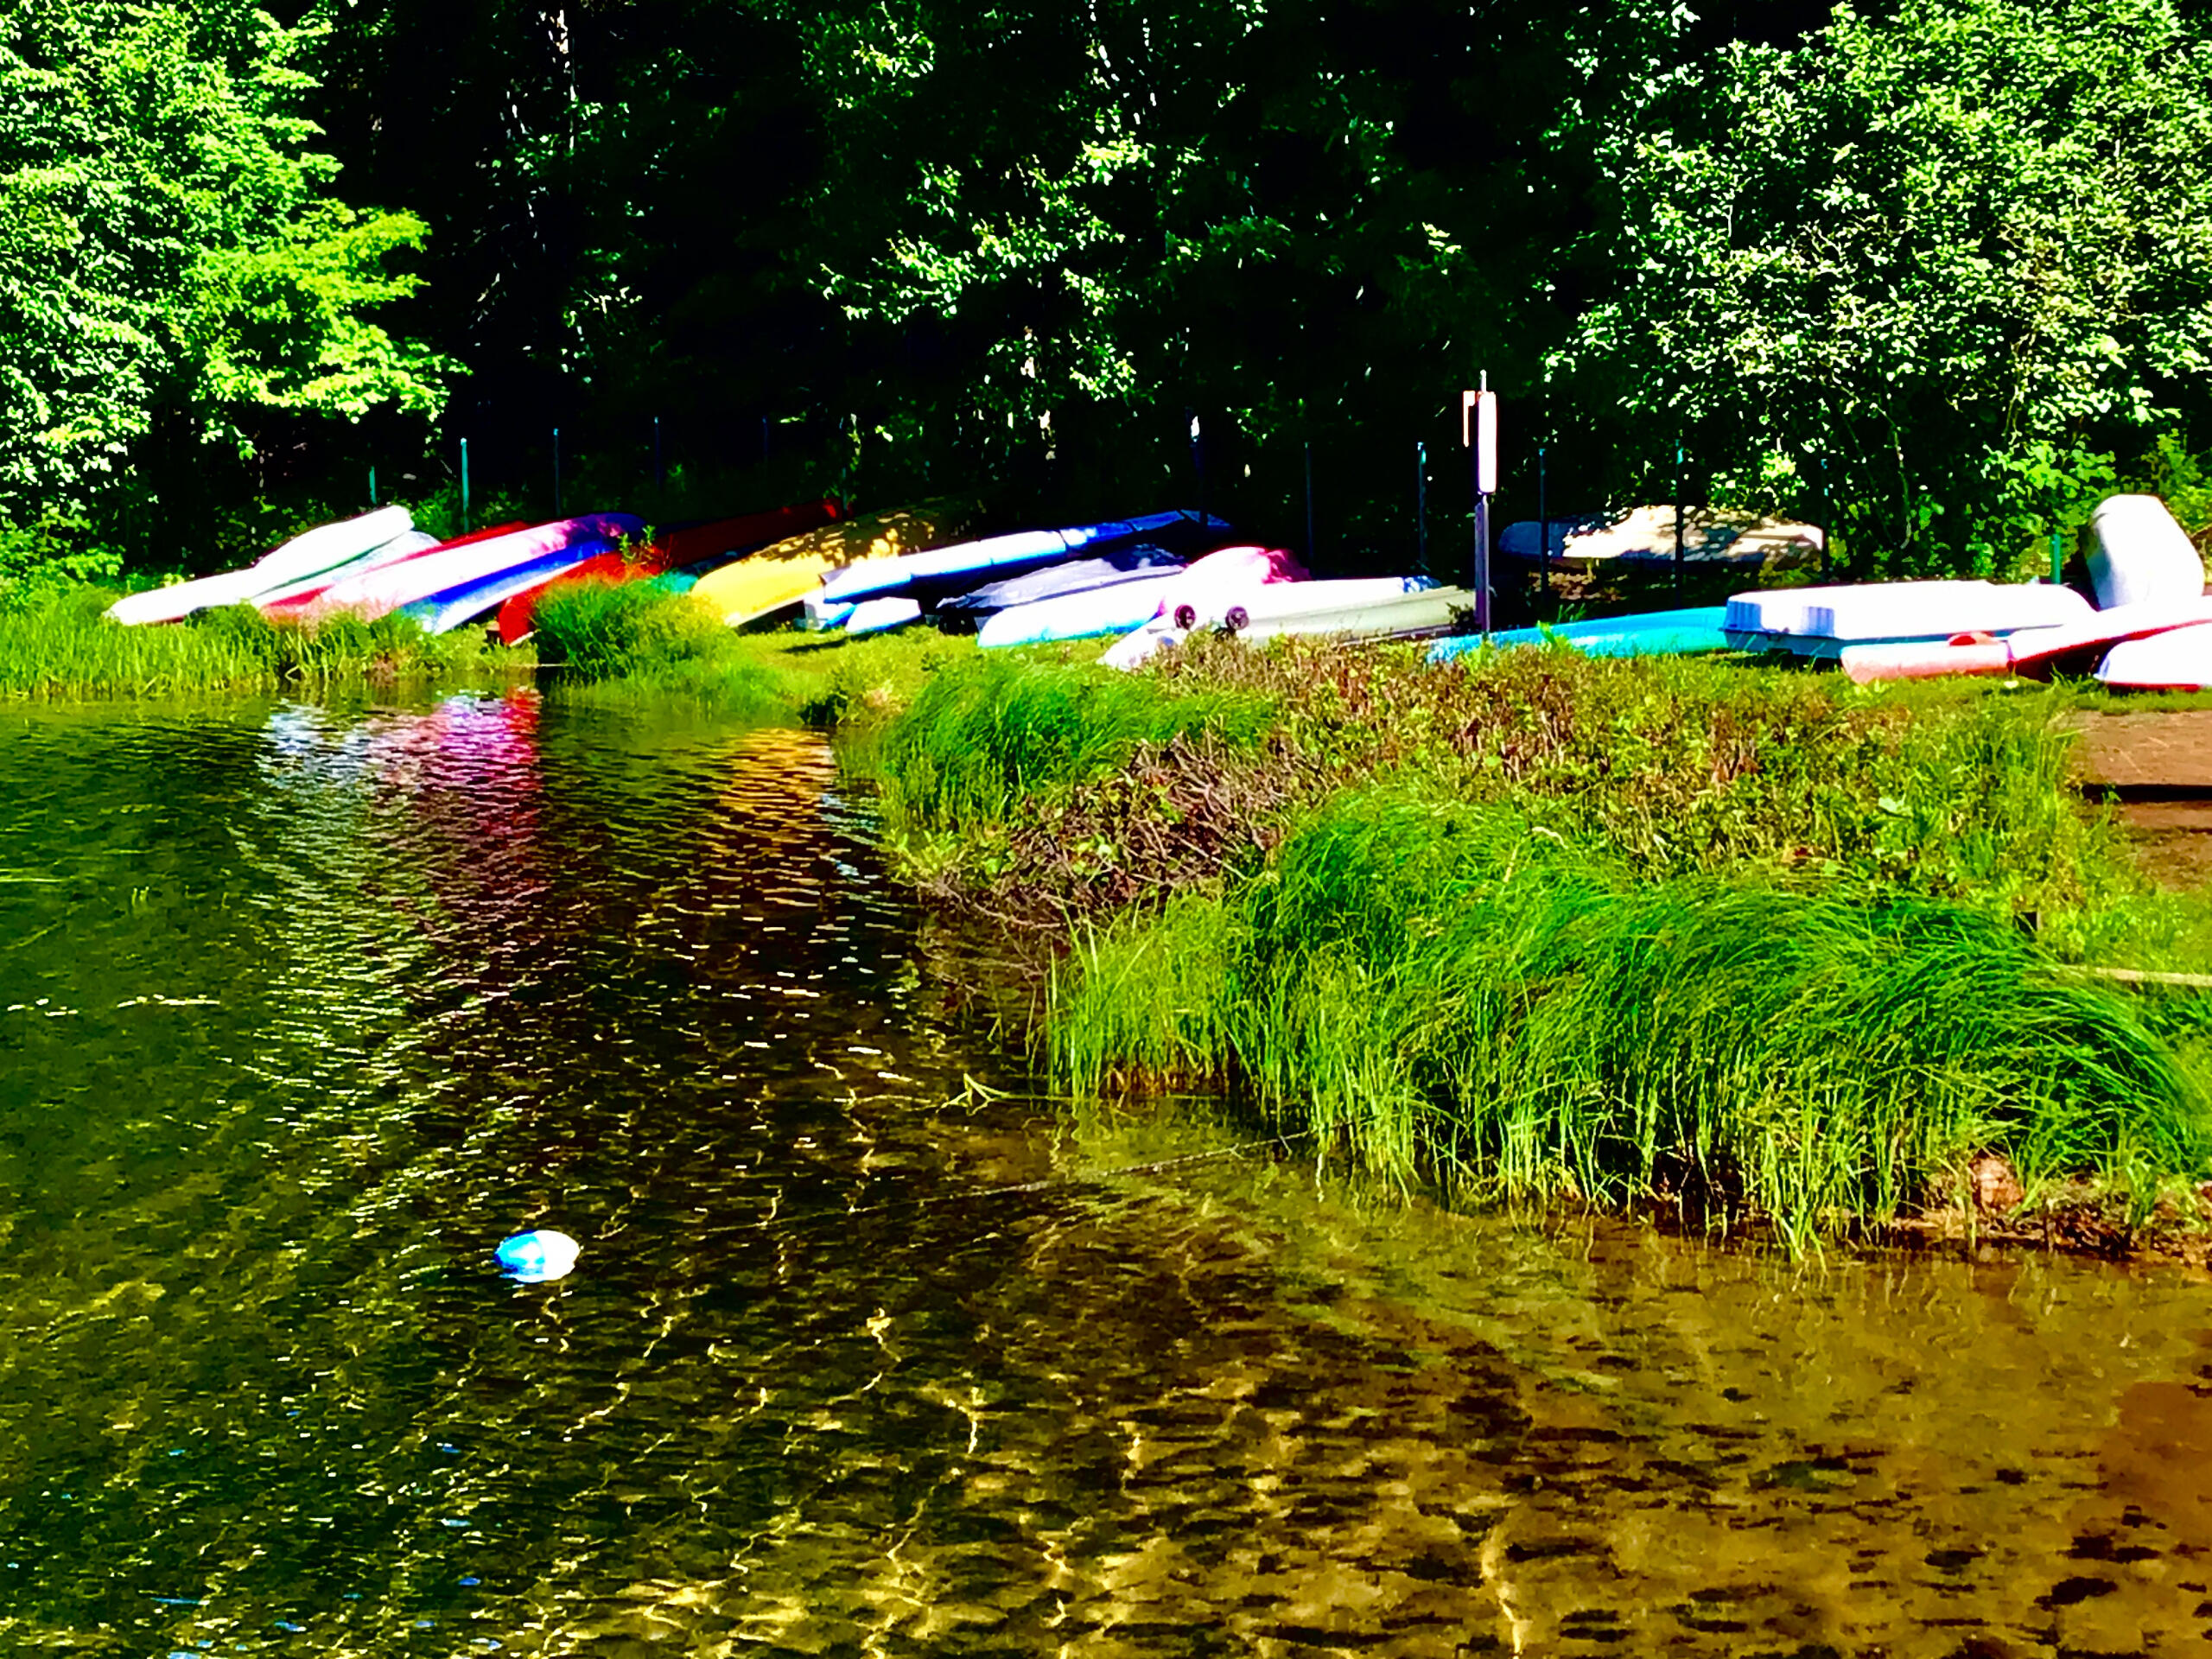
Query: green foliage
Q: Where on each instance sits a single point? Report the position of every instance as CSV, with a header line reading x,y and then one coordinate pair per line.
x,y
1685,765
171,265
58,642
597,630
42,562
634,641
1447,988
1956,250
983,736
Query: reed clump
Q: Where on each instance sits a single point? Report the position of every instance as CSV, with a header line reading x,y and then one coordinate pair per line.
x,y
632,642
1444,987
998,732
58,642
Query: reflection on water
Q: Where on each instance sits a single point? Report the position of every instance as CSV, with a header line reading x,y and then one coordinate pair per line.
x,y
305,1008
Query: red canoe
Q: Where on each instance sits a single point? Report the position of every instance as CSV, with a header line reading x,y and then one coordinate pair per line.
x,y
298,601
672,549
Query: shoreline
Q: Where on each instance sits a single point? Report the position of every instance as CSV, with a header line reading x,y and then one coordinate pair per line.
x,y
1268,873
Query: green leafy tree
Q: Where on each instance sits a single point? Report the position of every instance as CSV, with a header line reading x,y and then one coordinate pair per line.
x,y
170,255
1951,259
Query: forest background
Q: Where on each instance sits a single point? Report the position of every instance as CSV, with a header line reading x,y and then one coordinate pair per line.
x,y
1937,273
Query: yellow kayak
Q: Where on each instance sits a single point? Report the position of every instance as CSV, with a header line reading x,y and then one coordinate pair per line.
x,y
784,573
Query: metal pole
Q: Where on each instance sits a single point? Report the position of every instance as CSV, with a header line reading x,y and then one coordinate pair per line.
x,y
1198,460
372,487
764,438
1309,504
464,487
1828,519
557,472
1478,428
1421,506
660,472
1678,518
1543,530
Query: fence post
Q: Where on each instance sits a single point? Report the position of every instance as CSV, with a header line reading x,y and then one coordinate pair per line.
x,y
1420,506
1543,529
1678,518
1309,504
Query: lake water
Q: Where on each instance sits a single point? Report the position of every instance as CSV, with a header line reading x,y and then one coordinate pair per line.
x,y
874,1347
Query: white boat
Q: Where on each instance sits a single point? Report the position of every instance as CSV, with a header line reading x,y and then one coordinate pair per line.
x,y
411,581
1822,622
2178,660
324,548
1366,608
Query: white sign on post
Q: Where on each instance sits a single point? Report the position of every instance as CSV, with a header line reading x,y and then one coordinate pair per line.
x,y
1478,432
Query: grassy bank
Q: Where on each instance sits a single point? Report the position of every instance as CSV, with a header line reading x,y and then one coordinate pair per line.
x,y
58,643
636,643
1747,941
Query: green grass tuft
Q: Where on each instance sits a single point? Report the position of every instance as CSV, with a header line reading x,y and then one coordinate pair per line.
x,y
999,728
58,642
635,643
1443,987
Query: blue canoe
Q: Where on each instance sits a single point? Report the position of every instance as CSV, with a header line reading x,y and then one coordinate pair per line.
x,y
444,611
968,564
1057,581
1649,633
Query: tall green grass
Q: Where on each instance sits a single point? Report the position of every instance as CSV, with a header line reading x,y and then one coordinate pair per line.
x,y
980,737
1441,987
631,642
61,644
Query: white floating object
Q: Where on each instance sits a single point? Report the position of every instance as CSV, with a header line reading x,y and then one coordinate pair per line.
x,y
2138,555
2179,659
536,1258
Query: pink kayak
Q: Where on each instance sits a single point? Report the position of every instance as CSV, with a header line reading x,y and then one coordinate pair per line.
x,y
2029,651
376,592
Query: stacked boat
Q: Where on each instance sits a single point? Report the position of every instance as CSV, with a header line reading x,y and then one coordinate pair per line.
x,y
1157,579
378,564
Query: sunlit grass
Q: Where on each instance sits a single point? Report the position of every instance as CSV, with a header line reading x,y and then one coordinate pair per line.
x,y
634,643
61,644
1442,988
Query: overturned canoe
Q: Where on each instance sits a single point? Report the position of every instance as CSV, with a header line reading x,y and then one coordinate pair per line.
x,y
1645,634
779,577
1820,622
2178,660
444,612
1140,562
2075,647
299,595
518,614
1208,586
1365,607
450,569
695,548
968,564
321,549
